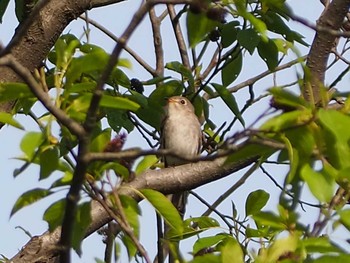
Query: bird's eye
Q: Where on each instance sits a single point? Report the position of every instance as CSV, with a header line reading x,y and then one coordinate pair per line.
x,y
183,102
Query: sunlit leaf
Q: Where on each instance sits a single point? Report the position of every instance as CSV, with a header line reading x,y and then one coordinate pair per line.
x,y
146,163
8,119
30,142
231,250
321,184
165,208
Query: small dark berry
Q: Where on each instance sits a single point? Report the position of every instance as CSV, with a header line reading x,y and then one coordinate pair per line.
x,y
136,85
214,35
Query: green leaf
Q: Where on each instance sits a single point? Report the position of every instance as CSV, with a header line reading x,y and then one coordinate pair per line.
x,y
229,33
287,120
268,51
132,213
14,91
29,198
100,141
30,142
249,39
165,208
120,103
207,242
48,161
198,26
89,63
8,119
207,258
147,162
201,224
81,224
320,244
118,119
281,247
269,219
229,100
54,214
256,201
287,98
231,69
334,259
231,250
345,218
336,137
3,7
321,184
180,68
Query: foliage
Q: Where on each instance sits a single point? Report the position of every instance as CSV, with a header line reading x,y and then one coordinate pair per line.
x,y
312,141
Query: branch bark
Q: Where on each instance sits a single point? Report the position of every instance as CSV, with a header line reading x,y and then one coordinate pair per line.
x,y
332,18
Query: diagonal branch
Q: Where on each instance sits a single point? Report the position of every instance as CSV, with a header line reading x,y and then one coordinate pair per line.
x,y
322,45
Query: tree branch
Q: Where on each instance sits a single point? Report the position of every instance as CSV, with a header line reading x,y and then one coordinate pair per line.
x,y
321,47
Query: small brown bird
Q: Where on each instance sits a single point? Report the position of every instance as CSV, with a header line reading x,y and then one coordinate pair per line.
x,y
182,135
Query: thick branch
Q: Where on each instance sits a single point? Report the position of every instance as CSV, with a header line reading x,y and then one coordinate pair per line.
x,y
169,180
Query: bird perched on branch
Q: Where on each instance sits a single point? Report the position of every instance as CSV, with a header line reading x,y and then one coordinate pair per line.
x,y
181,134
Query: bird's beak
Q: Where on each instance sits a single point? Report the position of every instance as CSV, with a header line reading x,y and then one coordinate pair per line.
x,y
171,100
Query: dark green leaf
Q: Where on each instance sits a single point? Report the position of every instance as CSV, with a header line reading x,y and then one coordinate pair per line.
x,y
14,91
180,68
229,100
198,26
286,98
207,242
54,214
229,33
256,201
249,39
3,7
231,70
118,119
7,118
268,51
29,198
48,161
